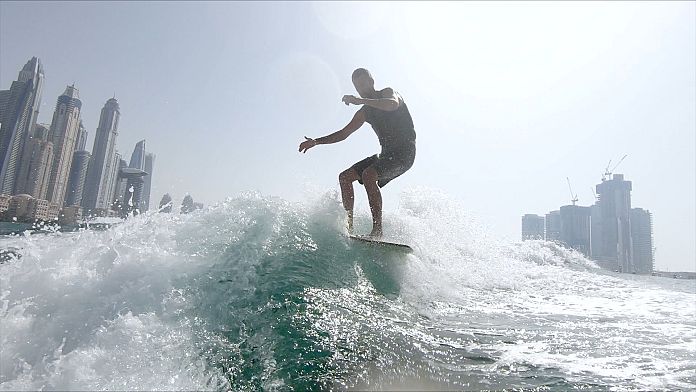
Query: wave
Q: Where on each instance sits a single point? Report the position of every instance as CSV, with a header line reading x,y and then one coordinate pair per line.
x,y
257,292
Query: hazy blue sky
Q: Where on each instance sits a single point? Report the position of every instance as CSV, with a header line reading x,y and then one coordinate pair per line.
x,y
508,99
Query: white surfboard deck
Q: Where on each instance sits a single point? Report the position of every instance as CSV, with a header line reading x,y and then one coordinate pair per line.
x,y
372,241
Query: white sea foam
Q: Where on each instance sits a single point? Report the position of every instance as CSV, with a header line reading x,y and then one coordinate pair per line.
x,y
136,306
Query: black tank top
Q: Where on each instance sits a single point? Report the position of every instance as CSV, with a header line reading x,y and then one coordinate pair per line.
x,y
394,128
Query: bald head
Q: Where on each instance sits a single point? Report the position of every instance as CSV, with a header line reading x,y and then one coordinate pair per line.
x,y
363,82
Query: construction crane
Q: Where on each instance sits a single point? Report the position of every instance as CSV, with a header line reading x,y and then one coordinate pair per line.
x,y
595,194
573,198
607,173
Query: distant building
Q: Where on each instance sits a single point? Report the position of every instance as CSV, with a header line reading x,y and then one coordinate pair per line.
x,y
142,160
147,186
121,186
165,204
641,235
19,110
100,212
65,129
70,215
137,160
99,185
112,184
81,138
616,236
187,205
595,229
615,239
134,189
53,211
78,175
575,228
4,204
37,159
532,227
553,226
25,208
19,209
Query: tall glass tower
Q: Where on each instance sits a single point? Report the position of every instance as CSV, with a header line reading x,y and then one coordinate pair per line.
x,y
99,185
19,109
65,129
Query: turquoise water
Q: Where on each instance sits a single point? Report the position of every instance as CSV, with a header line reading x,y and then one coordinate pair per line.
x,y
257,293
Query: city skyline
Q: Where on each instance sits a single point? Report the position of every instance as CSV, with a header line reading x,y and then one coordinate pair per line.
x,y
501,122
46,172
612,232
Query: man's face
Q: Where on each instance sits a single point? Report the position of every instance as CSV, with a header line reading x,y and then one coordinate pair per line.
x,y
364,85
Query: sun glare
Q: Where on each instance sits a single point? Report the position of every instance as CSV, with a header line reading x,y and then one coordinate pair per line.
x,y
510,48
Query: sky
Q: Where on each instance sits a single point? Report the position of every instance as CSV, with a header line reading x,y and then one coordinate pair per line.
x,y
509,99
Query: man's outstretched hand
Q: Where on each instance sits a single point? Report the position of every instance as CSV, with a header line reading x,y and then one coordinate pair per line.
x,y
307,144
348,99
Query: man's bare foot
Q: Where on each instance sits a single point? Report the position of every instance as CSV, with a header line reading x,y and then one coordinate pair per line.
x,y
376,233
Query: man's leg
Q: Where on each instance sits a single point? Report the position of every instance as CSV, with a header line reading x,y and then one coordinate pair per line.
x,y
346,180
374,196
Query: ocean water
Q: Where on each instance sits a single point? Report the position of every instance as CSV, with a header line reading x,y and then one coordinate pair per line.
x,y
258,293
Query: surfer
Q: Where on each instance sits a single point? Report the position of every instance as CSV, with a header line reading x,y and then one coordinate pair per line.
x,y
388,114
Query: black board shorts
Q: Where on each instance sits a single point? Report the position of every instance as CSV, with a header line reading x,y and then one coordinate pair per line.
x,y
388,164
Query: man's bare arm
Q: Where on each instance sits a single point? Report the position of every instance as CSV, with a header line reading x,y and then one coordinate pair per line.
x,y
389,101
354,124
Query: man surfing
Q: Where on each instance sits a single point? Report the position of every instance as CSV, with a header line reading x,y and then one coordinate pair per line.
x,y
388,114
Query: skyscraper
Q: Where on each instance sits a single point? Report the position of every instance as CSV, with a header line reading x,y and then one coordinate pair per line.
x,y
112,183
575,228
553,226
147,186
76,181
65,129
137,160
35,167
81,138
133,190
142,160
121,183
615,207
641,234
18,114
532,227
596,233
99,183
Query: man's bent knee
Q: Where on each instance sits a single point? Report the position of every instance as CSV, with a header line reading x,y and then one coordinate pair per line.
x,y
369,176
348,176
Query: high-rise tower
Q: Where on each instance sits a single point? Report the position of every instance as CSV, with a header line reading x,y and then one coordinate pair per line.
x,y
641,234
147,186
137,160
35,167
65,129
19,109
615,210
142,160
76,181
99,184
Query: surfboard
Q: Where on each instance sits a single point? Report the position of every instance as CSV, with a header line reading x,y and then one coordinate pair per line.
x,y
372,241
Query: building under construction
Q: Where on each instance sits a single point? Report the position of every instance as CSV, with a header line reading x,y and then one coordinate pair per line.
x,y
611,232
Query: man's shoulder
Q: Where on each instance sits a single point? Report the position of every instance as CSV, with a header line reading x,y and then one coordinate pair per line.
x,y
387,92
